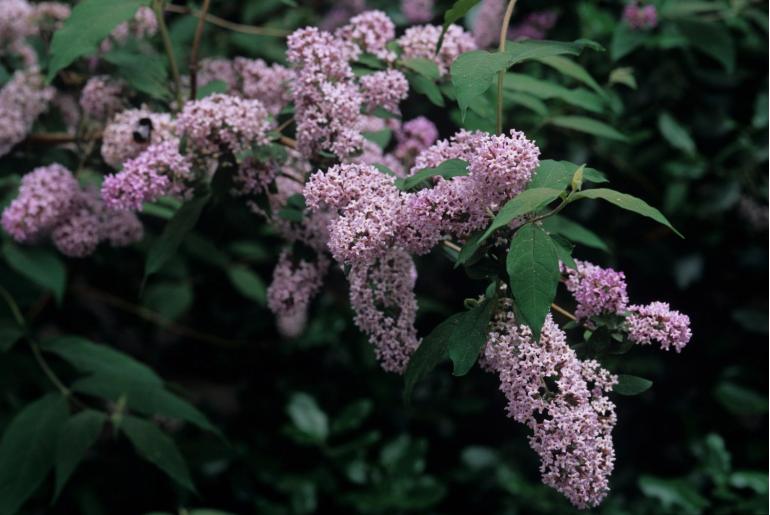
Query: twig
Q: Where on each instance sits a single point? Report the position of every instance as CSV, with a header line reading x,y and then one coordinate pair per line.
x,y
289,142
451,245
157,6
563,311
229,25
501,73
157,319
194,51
285,124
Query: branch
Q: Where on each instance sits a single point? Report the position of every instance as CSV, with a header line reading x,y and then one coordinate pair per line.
x,y
229,25
194,52
157,6
501,73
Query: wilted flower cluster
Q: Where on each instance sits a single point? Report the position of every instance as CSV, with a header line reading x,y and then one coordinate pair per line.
x,y
562,400
51,203
640,17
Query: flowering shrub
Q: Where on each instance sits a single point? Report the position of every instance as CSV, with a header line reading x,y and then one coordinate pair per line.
x,y
359,153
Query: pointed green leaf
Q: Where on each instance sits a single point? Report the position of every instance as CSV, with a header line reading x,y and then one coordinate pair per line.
x,y
425,67
248,284
448,169
533,271
39,265
574,232
166,246
631,385
308,417
572,69
527,201
712,39
469,337
157,448
75,437
90,22
587,125
627,202
27,450
676,135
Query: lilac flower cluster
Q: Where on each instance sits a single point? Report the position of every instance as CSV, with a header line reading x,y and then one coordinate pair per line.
x,y
130,132
22,100
295,283
417,11
534,26
640,17
421,41
413,137
102,97
370,31
382,296
487,22
375,216
160,170
562,400
223,123
385,89
658,322
51,203
597,290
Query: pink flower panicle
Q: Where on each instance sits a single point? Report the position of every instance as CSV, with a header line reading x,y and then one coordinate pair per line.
x,y
371,31
417,11
49,16
319,56
50,202
421,40
562,400
535,26
159,170
486,24
295,283
329,123
413,137
640,17
217,68
45,197
597,290
384,89
22,100
658,322
16,22
101,97
340,13
130,132
269,84
382,296
223,123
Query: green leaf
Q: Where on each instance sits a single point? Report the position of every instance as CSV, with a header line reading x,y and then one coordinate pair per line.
x,y
527,201
625,40
90,357
425,67
676,135
41,266
627,202
587,125
753,479
558,175
308,417
531,102
145,73
564,250
519,51
712,39
169,299
426,87
10,333
469,336
546,90
168,243
631,385
459,9
90,22
473,73
27,450
381,137
469,249
248,284
673,493
352,416
157,448
143,397
624,75
739,400
574,232
533,271
75,437
210,88
572,69
448,169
